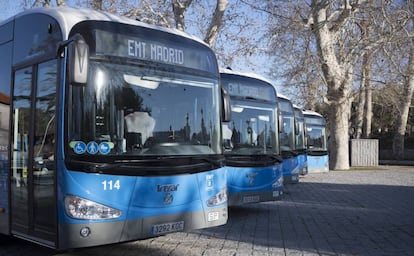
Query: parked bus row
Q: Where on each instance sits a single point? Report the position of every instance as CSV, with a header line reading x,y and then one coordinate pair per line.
x,y
114,130
266,141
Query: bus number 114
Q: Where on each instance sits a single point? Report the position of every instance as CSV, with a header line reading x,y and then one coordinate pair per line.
x,y
111,185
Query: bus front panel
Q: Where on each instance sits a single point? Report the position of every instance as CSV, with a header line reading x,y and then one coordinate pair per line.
x,y
142,139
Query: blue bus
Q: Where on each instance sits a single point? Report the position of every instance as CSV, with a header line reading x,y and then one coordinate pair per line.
x,y
113,130
300,141
287,140
317,146
250,139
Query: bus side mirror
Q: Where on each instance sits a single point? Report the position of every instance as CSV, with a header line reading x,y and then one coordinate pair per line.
x,y
78,60
226,106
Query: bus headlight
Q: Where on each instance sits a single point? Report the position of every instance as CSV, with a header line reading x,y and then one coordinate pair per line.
x,y
278,183
219,198
80,208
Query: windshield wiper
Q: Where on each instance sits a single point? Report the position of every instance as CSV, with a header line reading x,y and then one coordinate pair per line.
x,y
288,154
317,152
253,160
151,166
91,167
216,163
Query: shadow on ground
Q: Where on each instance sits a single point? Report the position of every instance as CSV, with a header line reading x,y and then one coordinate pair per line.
x,y
320,218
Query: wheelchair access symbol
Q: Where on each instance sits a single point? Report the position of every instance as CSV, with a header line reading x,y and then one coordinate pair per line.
x,y
79,147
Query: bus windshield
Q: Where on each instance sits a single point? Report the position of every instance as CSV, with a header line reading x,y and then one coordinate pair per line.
x,y
316,138
251,130
316,133
132,110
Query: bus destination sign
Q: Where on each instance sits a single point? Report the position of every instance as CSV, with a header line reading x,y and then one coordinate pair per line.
x,y
155,52
162,51
249,88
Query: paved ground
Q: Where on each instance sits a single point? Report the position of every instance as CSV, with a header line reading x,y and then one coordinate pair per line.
x,y
358,212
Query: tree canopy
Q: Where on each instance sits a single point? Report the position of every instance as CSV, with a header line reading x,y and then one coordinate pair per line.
x,y
348,59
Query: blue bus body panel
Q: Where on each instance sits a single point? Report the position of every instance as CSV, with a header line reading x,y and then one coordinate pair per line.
x,y
290,170
254,184
318,163
140,197
303,164
150,205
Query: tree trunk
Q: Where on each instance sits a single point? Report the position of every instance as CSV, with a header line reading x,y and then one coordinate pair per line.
x,y
339,135
359,119
404,109
339,79
367,130
366,33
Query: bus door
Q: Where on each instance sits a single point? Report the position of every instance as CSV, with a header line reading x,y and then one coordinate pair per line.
x,y
33,200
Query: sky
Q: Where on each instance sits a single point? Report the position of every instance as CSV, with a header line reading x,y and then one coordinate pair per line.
x,y
256,63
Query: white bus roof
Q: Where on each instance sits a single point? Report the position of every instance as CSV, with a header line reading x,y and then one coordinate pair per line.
x,y
311,113
246,74
296,106
282,96
67,17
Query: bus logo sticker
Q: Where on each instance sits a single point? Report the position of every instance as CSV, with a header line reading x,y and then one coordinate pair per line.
x,y
168,198
251,176
79,147
168,189
92,147
104,148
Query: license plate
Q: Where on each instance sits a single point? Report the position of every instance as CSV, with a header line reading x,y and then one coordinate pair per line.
x,y
167,227
251,199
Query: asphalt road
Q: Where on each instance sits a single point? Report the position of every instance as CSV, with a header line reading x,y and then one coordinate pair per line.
x,y
358,212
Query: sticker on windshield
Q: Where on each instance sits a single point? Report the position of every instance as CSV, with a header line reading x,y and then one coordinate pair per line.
x,y
79,147
92,147
104,148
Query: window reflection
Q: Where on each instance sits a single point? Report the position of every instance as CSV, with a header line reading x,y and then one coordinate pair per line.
x,y
20,145
316,138
144,112
251,130
300,138
286,137
32,163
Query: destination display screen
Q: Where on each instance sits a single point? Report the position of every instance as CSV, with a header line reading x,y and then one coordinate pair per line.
x,y
285,106
315,121
248,87
155,47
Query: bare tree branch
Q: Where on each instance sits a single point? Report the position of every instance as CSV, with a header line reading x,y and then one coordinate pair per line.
x,y
179,9
216,22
